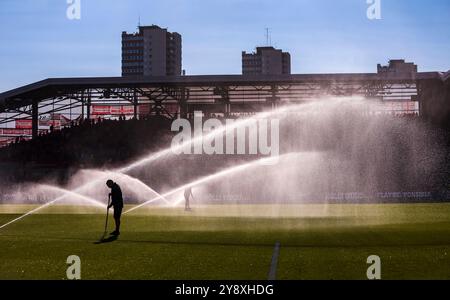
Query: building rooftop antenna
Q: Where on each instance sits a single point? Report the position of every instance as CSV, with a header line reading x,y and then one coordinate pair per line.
x,y
139,21
268,37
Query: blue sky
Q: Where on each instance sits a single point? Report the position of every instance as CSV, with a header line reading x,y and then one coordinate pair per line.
x,y
323,36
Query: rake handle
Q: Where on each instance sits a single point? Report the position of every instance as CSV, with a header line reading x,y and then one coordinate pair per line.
x,y
107,215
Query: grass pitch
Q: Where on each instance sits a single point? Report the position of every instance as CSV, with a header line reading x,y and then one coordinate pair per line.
x,y
230,242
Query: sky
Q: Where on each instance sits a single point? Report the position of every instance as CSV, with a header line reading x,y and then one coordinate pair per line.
x,y
38,41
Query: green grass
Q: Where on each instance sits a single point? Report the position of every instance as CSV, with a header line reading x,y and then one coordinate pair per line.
x,y
231,242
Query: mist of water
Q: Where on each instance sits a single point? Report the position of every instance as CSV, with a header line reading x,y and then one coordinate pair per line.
x,y
227,172
132,188
330,148
40,193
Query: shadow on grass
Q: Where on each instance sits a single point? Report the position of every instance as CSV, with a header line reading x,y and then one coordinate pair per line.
x,y
104,240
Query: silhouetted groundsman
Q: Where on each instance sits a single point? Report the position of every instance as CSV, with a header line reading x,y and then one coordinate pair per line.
x,y
116,202
187,196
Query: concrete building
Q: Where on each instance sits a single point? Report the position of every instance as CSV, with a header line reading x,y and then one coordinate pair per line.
x,y
266,61
153,51
397,66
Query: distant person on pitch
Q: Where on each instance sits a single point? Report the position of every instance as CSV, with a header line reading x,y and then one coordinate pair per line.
x,y
117,202
187,196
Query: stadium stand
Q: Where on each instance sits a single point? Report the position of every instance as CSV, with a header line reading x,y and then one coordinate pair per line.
x,y
90,143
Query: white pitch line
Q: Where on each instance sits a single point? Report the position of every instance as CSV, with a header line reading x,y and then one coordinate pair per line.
x,y
274,262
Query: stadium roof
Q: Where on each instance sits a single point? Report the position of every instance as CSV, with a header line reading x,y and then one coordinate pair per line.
x,y
48,88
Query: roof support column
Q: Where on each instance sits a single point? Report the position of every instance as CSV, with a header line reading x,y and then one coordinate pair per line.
x,y
183,103
88,107
35,119
274,99
135,104
223,92
82,106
